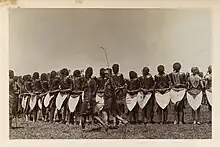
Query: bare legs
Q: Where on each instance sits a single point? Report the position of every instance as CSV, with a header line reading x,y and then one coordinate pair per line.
x,y
196,115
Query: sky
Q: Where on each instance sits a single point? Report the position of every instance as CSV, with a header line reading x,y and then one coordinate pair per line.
x,y
46,39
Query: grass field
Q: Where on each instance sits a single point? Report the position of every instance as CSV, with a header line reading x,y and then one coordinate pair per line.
x,y
46,130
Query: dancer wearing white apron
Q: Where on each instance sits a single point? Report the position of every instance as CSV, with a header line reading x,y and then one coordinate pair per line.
x,y
36,91
64,95
45,90
133,87
178,92
75,100
194,94
146,99
54,86
162,96
28,87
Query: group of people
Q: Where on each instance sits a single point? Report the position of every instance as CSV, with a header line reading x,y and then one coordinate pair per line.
x,y
109,99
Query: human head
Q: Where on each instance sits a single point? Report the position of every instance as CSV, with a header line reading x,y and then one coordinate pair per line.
x,y
102,72
108,72
89,72
53,74
11,74
160,69
132,74
210,69
195,70
176,66
35,75
145,71
115,68
25,78
77,73
64,72
44,77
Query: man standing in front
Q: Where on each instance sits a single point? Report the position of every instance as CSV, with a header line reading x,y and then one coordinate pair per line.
x,y
120,91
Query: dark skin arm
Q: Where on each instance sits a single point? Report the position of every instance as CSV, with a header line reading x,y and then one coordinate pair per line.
x,y
122,82
77,92
43,94
53,91
169,81
66,90
137,84
95,88
155,83
151,87
188,84
27,91
201,82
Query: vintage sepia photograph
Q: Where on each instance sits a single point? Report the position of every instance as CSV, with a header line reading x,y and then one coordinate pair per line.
x,y
107,73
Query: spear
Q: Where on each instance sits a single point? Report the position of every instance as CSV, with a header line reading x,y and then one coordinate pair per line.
x,y
105,55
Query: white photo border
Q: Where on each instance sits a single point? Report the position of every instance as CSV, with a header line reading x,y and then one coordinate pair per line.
x,y
214,5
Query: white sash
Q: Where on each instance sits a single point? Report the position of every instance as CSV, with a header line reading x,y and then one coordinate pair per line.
x,y
209,97
162,99
47,100
143,99
131,101
60,99
24,102
194,102
83,97
72,103
33,101
40,102
177,96
100,101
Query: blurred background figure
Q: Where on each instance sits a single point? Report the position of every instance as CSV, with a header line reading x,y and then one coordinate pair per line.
x,y
13,98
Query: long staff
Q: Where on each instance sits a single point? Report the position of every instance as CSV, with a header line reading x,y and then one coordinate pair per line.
x,y
105,55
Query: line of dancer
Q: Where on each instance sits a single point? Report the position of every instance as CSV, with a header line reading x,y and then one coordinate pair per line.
x,y
109,99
